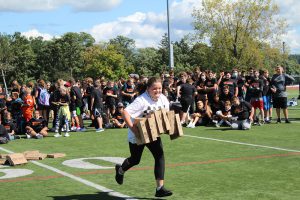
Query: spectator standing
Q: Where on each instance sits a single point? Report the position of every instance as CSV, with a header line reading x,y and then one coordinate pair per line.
x,y
278,87
187,92
256,90
267,96
97,105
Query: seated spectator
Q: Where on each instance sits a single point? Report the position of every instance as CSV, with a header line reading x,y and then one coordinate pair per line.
x,y
10,126
243,112
224,115
4,137
215,105
225,95
36,127
201,116
117,118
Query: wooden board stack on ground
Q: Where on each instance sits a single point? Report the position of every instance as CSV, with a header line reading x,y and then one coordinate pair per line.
x,y
16,159
56,155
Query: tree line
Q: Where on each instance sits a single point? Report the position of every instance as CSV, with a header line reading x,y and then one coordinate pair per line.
x,y
228,34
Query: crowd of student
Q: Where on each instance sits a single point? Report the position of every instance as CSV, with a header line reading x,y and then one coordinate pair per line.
x,y
229,98
232,98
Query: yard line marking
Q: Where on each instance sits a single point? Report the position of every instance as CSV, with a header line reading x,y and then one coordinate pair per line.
x,y
81,180
171,165
242,143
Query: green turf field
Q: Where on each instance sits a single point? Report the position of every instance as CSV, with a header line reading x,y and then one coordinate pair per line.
x,y
208,163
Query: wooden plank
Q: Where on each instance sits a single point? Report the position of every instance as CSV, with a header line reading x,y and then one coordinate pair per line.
x,y
2,161
178,132
42,156
159,121
16,159
152,128
171,118
56,155
142,137
3,155
178,125
166,121
32,155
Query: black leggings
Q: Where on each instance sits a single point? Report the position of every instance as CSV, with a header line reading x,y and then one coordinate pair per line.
x,y
157,151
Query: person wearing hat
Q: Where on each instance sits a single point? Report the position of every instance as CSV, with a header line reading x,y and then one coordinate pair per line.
x,y
117,118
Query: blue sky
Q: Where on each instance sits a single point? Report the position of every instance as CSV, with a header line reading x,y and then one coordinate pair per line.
x,y
142,20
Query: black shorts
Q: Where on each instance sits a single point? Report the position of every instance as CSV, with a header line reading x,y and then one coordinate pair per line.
x,y
98,112
185,104
280,102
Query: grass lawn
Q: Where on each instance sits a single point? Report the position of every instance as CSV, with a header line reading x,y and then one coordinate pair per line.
x,y
208,163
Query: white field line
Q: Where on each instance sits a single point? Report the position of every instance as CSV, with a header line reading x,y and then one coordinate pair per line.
x,y
76,178
242,143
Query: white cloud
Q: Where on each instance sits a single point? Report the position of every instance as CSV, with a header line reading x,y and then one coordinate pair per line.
x,y
147,29
289,9
47,5
35,33
137,17
292,39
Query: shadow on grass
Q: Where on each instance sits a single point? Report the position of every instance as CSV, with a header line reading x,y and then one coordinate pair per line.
x,y
220,129
98,196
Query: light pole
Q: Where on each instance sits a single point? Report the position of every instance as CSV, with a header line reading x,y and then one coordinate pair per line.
x,y
171,58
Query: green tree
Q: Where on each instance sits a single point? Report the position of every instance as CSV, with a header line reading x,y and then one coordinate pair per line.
x,y
126,47
6,54
104,60
147,61
239,29
23,59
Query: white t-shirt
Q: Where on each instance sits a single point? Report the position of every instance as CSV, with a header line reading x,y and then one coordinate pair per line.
x,y
141,104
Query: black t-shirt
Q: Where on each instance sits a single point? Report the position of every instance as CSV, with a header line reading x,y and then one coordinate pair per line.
x,y
76,96
187,90
88,92
210,83
109,100
3,132
64,99
118,116
201,84
10,126
215,106
224,97
37,124
16,107
202,111
266,88
231,83
98,98
256,88
54,97
129,89
241,111
241,80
